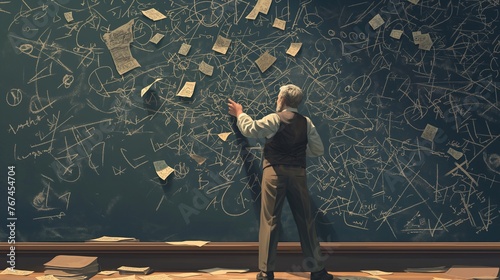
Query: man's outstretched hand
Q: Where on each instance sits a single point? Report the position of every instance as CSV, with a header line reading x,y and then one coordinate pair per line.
x,y
235,109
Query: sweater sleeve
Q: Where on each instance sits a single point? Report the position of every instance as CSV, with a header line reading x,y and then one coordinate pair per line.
x,y
265,127
315,146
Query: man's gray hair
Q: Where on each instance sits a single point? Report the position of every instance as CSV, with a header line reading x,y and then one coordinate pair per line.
x,y
292,95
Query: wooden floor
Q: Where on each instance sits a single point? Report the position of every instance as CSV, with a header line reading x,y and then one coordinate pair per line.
x,y
251,276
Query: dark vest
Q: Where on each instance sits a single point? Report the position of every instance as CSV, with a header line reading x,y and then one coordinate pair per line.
x,y
288,145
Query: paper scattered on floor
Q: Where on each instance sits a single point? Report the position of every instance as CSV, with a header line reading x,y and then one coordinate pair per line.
x,y
19,272
107,272
220,271
185,275
376,272
46,277
198,243
155,277
113,239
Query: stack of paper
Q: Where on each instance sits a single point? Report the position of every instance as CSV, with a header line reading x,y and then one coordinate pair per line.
x,y
72,267
134,270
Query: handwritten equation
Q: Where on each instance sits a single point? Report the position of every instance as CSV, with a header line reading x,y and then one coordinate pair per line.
x,y
404,95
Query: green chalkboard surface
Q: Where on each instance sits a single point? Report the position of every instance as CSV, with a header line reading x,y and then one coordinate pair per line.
x,y
404,94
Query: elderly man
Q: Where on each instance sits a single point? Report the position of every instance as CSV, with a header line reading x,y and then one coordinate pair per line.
x,y
290,137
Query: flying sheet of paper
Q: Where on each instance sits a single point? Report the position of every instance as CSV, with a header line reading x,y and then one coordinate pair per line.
x,y
425,42
206,69
145,89
279,23
429,132
416,36
153,14
185,275
454,153
221,44
157,38
118,42
162,169
184,49
69,17
16,272
396,34
414,1
376,22
224,135
265,61
198,243
294,49
199,159
220,271
262,6
155,277
187,90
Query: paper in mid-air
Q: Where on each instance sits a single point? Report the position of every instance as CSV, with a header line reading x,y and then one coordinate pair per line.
x,y
221,45
162,169
145,89
265,61
262,6
294,49
153,14
187,90
118,42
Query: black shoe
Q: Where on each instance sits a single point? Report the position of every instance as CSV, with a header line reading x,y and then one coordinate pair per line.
x,y
321,275
269,275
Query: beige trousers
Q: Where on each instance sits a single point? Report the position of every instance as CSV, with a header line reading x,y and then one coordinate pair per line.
x,y
280,182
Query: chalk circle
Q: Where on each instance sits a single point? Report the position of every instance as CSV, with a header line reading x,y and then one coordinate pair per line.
x,y
26,48
347,88
68,80
353,36
362,36
492,161
14,97
361,84
331,33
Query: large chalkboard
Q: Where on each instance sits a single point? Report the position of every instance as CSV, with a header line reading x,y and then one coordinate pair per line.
x,y
404,95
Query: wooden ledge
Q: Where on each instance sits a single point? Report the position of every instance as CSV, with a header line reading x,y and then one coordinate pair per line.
x,y
251,247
